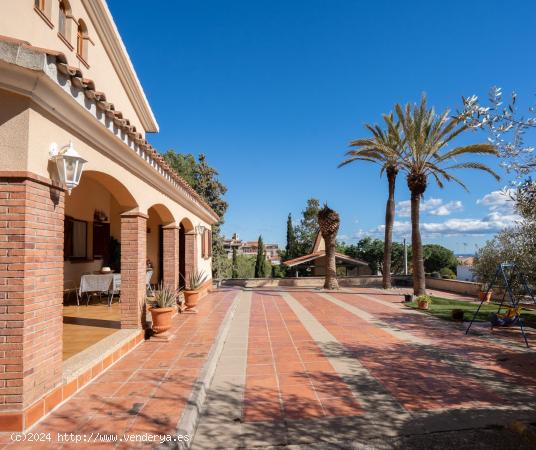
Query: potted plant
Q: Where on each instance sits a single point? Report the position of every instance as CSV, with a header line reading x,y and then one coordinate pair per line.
x,y
485,293
423,301
191,295
162,307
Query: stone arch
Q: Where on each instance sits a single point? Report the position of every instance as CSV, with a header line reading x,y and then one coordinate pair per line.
x,y
121,194
162,245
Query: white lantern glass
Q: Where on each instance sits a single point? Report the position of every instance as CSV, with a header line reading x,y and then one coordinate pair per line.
x,y
70,166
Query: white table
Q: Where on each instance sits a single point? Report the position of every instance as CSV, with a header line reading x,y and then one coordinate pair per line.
x,y
102,283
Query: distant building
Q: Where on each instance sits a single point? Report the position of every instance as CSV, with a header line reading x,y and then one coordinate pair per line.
x,y
314,264
464,269
250,248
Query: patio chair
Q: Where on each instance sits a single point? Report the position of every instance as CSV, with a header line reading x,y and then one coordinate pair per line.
x,y
148,276
69,286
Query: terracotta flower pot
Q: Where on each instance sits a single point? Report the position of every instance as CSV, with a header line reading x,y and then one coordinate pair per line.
x,y
161,319
422,304
191,298
485,296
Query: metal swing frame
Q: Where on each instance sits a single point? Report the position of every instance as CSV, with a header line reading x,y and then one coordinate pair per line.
x,y
507,271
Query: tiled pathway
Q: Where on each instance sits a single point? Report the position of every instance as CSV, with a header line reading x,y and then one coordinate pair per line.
x,y
146,391
288,376
402,371
311,368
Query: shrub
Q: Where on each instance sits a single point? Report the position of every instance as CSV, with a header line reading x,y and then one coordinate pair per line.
x,y
424,298
447,273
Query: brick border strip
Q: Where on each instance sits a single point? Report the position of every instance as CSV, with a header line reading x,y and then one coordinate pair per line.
x,y
22,421
189,420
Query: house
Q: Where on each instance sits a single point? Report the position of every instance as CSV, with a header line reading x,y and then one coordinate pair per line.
x,y
250,248
464,268
314,264
76,171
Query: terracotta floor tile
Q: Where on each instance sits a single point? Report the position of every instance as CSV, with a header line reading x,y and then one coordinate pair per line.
x,y
135,389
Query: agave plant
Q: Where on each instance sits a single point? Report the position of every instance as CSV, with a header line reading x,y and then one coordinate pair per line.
x,y
196,279
165,297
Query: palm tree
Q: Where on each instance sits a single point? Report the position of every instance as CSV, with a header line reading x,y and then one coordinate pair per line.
x,y
426,134
329,221
385,149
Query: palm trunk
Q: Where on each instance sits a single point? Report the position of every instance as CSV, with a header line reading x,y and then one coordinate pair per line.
x,y
389,219
419,287
331,267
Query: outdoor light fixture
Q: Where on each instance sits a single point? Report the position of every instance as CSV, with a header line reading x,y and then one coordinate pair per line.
x,y
200,229
69,164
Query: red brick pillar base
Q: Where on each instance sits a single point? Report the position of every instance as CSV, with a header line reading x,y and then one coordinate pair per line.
x,y
31,296
171,256
190,254
133,269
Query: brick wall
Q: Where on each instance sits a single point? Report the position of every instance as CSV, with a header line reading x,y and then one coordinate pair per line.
x,y
133,269
31,290
171,256
190,254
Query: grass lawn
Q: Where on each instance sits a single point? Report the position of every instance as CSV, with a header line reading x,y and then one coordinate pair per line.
x,y
442,308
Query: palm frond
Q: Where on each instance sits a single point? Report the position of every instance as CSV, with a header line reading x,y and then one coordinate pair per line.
x,y
468,149
476,165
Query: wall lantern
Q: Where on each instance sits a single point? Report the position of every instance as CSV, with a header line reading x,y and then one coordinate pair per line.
x,y
200,229
69,164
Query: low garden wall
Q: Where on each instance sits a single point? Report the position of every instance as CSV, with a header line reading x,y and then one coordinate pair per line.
x,y
468,288
366,280
458,287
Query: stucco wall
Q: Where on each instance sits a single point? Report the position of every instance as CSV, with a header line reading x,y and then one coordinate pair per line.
x,y
19,20
14,124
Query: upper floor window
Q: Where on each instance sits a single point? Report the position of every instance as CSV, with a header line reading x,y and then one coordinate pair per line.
x,y
81,40
42,7
62,18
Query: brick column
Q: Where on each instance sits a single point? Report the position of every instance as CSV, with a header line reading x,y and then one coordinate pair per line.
x,y
190,254
133,269
171,256
31,296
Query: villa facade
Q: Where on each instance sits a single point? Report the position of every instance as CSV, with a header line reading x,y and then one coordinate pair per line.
x,y
67,83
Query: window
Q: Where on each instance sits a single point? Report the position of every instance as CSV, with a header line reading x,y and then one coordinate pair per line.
x,y
81,38
206,244
62,19
101,240
75,238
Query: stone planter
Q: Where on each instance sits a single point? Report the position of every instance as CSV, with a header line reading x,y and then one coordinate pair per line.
x,y
161,319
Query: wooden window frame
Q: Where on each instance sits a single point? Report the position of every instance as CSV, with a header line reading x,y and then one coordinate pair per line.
x,y
74,258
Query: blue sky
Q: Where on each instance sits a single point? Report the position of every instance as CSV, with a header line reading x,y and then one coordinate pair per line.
x,y
272,92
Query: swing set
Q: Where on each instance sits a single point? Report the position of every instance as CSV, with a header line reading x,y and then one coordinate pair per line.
x,y
516,287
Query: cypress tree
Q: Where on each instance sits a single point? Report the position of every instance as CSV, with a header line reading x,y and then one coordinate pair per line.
x,y
290,250
235,265
260,263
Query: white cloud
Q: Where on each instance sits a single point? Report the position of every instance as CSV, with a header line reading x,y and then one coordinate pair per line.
x,y
498,201
447,209
491,224
432,206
